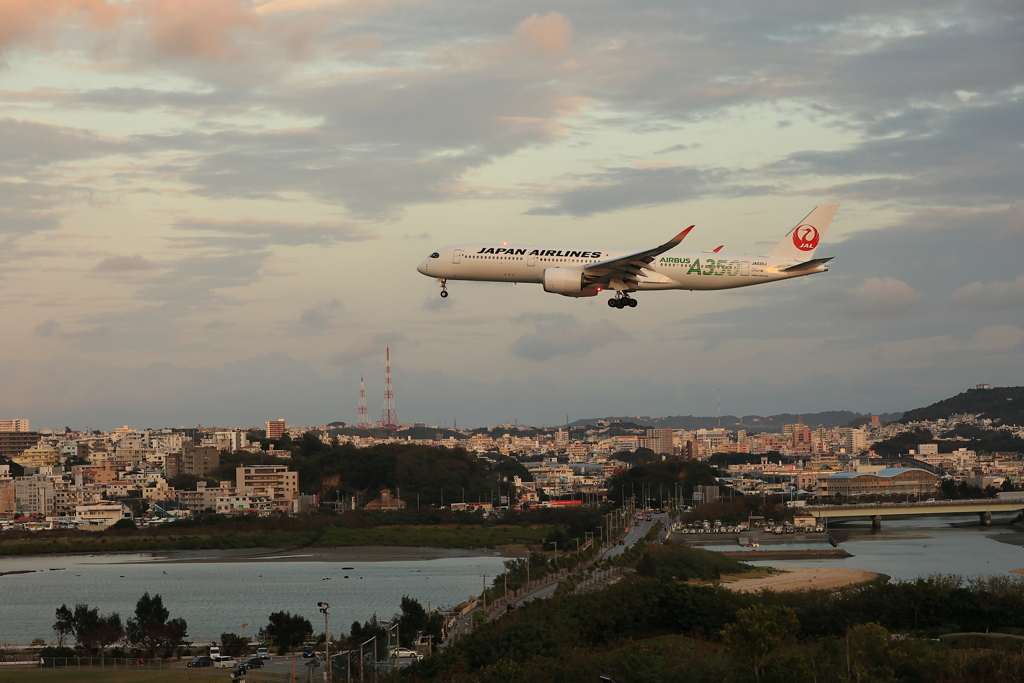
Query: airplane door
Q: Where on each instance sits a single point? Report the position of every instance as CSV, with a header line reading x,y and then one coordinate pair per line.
x,y
531,260
745,268
457,256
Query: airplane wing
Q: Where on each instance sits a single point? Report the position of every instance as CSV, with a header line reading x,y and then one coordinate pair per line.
x,y
626,269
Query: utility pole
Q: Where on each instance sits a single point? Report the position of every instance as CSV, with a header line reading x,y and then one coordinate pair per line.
x,y
325,609
484,576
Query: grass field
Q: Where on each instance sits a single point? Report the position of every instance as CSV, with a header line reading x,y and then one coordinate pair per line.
x,y
179,675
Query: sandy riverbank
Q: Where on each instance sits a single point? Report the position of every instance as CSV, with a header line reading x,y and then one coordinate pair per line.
x,y
805,578
346,554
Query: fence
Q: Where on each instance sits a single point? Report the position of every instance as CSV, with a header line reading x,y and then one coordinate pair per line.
x,y
106,663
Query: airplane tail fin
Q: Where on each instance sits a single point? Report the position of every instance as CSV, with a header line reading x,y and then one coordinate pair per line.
x,y
800,243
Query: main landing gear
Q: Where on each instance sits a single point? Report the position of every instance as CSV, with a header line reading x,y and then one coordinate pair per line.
x,y
622,300
444,288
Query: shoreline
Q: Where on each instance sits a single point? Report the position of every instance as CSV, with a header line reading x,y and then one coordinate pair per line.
x,y
265,554
805,578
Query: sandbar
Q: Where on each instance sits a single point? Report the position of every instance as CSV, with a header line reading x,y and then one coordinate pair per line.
x,y
343,554
805,578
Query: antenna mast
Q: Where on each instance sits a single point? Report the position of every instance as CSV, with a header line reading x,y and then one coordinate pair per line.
x,y
364,421
388,418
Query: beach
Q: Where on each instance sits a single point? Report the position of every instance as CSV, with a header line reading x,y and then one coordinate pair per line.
x,y
805,578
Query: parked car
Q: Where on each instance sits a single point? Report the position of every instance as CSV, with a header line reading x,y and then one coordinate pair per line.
x,y
263,653
200,662
225,663
308,652
405,653
252,663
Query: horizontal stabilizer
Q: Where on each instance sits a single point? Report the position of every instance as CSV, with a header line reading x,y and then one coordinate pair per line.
x,y
808,265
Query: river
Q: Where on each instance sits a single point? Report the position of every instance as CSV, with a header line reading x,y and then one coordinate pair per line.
x,y
222,596
908,548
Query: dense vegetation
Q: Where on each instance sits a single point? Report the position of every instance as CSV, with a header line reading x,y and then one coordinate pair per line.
x,y
962,436
657,628
424,475
423,528
661,480
1003,404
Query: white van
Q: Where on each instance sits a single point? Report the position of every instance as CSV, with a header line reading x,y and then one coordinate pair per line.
x,y
224,663
215,653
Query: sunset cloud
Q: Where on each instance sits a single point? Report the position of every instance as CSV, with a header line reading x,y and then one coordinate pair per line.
x,y
551,33
198,29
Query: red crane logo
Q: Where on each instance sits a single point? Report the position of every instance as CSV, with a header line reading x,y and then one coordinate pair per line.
x,y
806,237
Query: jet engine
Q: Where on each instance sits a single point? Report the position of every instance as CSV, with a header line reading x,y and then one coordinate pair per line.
x,y
567,282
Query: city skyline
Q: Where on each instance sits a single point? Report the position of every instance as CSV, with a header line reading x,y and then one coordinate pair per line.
x,y
214,211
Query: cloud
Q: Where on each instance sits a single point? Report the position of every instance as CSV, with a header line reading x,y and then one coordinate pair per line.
x,y
256,233
563,335
30,21
622,188
995,338
368,347
884,297
124,264
999,295
29,145
965,154
46,329
198,29
550,33
320,316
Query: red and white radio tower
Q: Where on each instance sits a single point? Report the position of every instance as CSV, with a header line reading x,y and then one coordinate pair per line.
x,y
388,418
364,421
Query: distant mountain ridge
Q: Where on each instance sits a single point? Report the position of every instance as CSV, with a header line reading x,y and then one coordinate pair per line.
x,y
751,423
1003,404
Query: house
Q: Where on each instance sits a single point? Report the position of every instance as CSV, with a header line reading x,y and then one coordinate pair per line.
x,y
386,503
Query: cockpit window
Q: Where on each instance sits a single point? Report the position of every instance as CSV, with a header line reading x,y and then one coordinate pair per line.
x,y
435,255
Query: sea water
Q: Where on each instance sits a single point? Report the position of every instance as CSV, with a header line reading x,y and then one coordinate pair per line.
x,y
217,597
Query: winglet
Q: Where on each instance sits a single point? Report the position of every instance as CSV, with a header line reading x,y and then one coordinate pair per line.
x,y
717,249
678,238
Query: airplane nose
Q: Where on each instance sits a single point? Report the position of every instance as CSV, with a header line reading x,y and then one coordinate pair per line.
x,y
422,267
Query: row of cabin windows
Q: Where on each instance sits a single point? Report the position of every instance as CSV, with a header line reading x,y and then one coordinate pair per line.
x,y
520,258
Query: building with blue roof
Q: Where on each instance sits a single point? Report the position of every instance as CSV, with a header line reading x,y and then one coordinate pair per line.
x,y
886,481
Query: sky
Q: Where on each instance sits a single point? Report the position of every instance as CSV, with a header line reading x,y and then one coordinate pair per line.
x,y
211,211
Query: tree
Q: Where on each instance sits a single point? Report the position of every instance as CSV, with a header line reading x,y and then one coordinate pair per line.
x,y
411,622
286,630
234,645
757,633
150,629
108,631
65,624
89,628
869,658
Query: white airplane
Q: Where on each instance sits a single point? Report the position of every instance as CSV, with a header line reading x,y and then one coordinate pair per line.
x,y
583,272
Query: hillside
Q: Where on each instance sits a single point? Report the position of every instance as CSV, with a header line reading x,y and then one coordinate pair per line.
x,y
751,423
1002,404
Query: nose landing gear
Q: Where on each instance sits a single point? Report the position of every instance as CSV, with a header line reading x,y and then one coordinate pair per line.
x,y
444,288
622,300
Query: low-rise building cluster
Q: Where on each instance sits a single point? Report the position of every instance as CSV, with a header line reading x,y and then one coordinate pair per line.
x,y
91,480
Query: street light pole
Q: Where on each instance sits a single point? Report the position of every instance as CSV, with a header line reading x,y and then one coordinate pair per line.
x,y
325,609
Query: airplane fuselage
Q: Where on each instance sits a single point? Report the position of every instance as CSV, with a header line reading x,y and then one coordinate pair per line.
x,y
684,270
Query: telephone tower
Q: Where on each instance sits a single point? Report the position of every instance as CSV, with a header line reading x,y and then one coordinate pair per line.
x,y
388,418
364,421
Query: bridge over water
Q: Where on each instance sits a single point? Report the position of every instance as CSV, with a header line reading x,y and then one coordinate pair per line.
x,y
876,511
